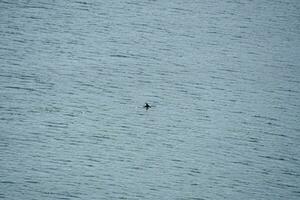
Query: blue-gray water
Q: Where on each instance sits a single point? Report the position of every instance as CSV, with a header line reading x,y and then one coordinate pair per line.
x,y
223,79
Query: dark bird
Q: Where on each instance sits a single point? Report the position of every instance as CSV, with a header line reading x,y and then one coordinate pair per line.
x,y
147,106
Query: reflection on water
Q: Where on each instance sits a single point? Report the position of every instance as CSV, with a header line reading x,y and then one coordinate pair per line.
x,y
222,79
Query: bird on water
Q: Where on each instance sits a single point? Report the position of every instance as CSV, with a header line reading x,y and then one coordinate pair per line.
x,y
147,106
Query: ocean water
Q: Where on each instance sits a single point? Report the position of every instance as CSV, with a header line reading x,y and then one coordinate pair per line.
x,y
223,79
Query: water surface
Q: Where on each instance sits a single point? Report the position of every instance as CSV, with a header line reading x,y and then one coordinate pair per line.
x,y
222,78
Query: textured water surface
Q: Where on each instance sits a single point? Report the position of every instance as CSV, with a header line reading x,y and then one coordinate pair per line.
x,y
222,78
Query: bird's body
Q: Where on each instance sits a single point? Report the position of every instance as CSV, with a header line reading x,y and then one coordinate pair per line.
x,y
147,106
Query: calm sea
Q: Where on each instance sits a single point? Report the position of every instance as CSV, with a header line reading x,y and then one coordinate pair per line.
x,y
222,77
